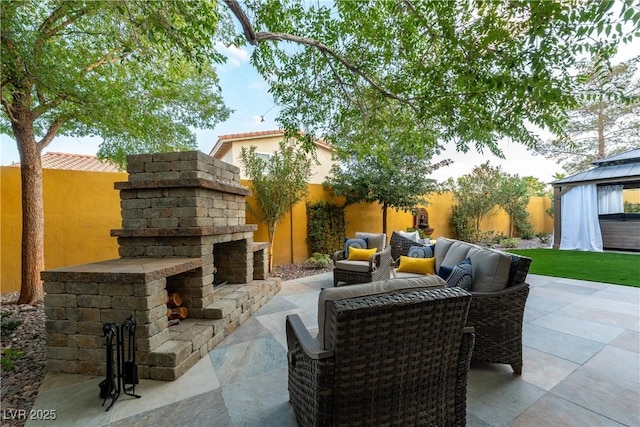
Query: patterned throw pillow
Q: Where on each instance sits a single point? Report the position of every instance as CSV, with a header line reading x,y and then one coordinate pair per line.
x,y
354,243
420,252
458,275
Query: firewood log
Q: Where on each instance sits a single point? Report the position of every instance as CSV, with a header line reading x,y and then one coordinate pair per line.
x,y
177,313
174,299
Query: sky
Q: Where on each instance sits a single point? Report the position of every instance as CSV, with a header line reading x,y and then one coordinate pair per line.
x,y
246,92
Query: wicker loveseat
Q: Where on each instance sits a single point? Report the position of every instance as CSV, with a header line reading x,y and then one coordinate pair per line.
x,y
395,352
499,295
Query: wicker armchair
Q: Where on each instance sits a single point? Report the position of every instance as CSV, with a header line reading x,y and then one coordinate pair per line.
x,y
377,268
394,358
497,317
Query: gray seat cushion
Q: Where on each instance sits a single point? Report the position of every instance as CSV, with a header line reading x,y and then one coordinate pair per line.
x,y
345,264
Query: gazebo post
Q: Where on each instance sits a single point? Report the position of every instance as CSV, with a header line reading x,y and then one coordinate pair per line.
x,y
557,217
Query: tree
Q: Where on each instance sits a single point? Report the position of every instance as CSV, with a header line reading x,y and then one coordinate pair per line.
x,y
474,197
468,72
607,120
513,196
390,176
465,72
138,74
277,184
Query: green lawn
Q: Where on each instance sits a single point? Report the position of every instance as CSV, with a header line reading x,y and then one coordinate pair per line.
x,y
608,267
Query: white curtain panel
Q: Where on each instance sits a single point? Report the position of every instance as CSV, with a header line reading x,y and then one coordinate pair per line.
x,y
580,226
610,199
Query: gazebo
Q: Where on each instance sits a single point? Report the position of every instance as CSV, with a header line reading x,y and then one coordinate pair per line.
x,y
589,208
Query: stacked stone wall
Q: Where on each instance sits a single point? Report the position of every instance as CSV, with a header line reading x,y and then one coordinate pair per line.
x,y
183,223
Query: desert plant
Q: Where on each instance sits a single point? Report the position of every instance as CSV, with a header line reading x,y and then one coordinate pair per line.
x,y
543,237
9,356
509,242
318,260
8,324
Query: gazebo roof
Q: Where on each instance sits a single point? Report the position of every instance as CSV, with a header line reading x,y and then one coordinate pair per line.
x,y
622,168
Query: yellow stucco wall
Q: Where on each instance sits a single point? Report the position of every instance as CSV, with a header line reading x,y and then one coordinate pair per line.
x,y
80,209
631,195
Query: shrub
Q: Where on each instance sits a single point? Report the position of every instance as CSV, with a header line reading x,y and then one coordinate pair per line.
x,y
319,260
509,242
8,324
9,356
326,227
543,237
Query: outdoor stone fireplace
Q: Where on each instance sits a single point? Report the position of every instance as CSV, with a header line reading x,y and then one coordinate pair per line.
x,y
183,230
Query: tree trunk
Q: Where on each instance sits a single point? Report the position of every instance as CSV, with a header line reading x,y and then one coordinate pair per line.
x,y
31,291
272,234
384,217
601,152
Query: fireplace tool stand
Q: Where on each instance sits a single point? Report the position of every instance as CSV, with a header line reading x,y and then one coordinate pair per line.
x,y
125,376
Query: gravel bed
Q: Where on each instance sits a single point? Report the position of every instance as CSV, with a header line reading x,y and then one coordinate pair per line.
x,y
20,384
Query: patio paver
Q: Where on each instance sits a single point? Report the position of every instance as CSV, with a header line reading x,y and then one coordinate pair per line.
x,y
581,367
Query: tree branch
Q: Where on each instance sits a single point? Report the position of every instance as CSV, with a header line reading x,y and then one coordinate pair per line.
x,y
254,38
7,107
51,133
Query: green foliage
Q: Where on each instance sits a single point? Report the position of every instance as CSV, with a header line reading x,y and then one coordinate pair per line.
x,y
474,197
513,196
391,177
543,237
9,356
509,242
370,65
139,75
421,232
277,183
606,120
318,260
535,187
325,227
8,324
631,207
491,238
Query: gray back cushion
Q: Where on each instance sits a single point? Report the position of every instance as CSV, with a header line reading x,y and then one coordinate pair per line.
x,y
380,287
442,246
374,240
490,268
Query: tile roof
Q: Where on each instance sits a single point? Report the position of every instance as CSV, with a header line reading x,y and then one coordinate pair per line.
x,y
77,162
245,135
222,145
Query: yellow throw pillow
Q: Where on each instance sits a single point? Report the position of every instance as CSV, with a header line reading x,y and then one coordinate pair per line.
x,y
417,265
356,254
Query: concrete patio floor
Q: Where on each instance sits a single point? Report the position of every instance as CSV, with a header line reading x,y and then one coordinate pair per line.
x,y
581,368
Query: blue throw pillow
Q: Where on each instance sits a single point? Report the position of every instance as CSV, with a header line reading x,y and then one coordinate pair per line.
x,y
420,252
459,275
354,243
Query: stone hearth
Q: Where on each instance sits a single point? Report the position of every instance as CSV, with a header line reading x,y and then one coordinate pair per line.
x,y
183,229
